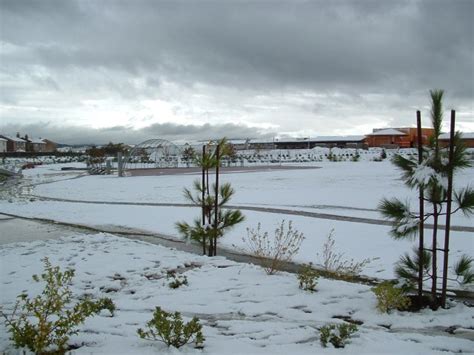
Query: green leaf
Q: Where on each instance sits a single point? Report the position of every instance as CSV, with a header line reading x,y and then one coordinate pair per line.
x,y
465,200
405,223
436,111
407,266
463,268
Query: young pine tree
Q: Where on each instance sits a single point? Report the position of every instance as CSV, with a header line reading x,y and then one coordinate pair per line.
x,y
432,175
215,220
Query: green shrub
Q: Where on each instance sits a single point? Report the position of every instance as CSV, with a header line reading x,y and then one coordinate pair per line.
x,y
55,320
336,334
307,277
390,297
176,281
171,330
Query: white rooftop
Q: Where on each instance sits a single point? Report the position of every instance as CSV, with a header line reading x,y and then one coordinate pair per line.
x,y
387,132
15,139
466,135
355,138
37,140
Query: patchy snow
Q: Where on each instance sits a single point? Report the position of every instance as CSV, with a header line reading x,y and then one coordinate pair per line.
x,y
243,311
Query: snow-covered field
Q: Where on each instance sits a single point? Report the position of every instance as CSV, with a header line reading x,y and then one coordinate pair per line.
x,y
339,188
243,310
345,184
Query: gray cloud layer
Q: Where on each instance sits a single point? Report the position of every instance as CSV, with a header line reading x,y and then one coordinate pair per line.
x,y
128,135
57,54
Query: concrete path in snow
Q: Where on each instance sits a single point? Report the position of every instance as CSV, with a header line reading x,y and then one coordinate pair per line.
x,y
27,229
284,211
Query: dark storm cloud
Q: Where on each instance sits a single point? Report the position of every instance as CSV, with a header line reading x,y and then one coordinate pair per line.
x,y
128,135
255,44
299,66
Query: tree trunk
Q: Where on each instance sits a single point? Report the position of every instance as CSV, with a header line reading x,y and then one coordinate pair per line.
x,y
422,211
449,194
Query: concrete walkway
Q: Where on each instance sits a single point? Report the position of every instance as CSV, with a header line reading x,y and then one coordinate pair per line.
x,y
31,229
284,211
17,230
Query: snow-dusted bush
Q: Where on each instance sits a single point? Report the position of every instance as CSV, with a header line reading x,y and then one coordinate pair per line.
x,y
54,320
176,281
272,252
390,297
337,334
307,277
336,263
171,330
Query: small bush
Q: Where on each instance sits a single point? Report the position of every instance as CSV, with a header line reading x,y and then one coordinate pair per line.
x,y
176,281
336,263
273,252
55,321
355,157
171,330
336,334
307,277
390,297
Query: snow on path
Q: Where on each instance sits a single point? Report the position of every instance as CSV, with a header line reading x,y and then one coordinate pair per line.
x,y
243,310
345,184
355,240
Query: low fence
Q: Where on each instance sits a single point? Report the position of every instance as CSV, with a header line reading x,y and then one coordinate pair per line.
x,y
31,155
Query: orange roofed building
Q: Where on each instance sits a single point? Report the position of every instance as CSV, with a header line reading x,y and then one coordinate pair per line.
x,y
397,137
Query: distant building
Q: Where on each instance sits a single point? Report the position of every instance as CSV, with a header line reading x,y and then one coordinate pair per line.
x,y
239,144
467,138
3,145
388,138
406,137
36,145
50,146
15,144
309,143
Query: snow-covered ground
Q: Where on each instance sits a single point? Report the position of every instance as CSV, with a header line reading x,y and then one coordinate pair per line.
x,y
243,311
355,240
339,188
347,184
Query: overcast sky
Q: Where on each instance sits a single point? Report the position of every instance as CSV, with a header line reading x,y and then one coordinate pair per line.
x,y
99,71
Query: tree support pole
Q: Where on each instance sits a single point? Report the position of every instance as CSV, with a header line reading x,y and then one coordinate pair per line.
x,y
203,209
449,195
422,210
216,201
